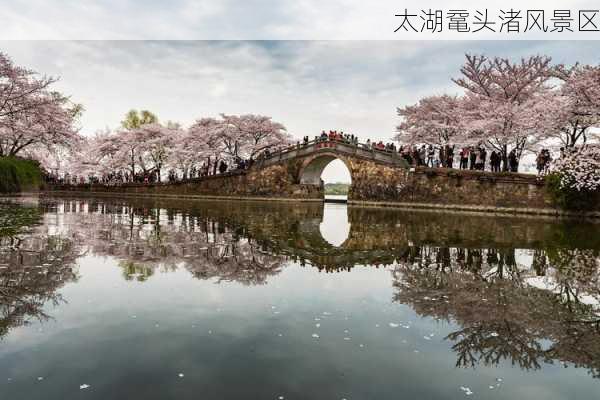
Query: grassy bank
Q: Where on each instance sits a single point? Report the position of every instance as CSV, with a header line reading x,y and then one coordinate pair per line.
x,y
337,188
17,174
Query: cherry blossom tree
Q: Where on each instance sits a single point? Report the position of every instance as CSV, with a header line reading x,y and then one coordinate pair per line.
x,y
245,136
577,105
95,155
191,148
157,142
579,168
31,116
129,149
202,141
257,133
434,120
505,102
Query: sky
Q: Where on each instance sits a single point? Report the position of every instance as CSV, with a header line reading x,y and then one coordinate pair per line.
x,y
354,86
310,69
249,19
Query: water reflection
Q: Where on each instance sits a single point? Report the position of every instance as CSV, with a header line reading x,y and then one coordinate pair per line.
x,y
33,267
526,291
541,313
335,227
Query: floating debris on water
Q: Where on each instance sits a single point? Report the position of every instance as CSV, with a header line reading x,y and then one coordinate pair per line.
x,y
466,390
394,325
315,335
84,386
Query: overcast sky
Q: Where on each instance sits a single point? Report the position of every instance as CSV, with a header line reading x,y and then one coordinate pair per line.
x,y
253,19
308,86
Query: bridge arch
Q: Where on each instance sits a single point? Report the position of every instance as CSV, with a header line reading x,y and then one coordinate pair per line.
x,y
313,166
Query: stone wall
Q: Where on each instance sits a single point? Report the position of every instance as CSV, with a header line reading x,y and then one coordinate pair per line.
x,y
445,186
453,189
376,182
276,181
373,183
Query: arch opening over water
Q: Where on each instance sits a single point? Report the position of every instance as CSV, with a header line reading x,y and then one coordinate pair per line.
x,y
327,169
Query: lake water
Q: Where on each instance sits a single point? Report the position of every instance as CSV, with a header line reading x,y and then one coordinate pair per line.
x,y
152,299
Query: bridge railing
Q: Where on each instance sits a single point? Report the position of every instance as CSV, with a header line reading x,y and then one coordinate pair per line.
x,y
370,148
261,161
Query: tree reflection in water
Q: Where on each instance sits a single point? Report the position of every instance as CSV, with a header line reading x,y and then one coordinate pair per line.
x,y
145,239
531,306
33,266
506,311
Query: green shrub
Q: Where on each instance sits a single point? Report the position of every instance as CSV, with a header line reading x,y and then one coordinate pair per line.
x,y
18,174
567,197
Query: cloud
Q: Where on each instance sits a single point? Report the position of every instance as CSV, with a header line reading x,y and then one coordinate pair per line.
x,y
307,85
243,20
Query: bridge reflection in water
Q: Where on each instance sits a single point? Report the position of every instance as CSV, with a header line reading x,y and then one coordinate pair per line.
x,y
335,227
523,290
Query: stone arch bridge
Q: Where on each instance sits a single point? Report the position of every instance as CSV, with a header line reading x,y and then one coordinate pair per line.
x,y
370,169
378,176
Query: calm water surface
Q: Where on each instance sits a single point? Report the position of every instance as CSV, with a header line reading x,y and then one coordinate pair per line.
x,y
119,299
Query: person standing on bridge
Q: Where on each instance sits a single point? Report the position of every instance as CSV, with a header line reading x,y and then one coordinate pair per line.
x,y
464,158
422,155
449,155
513,161
222,167
495,161
430,155
472,157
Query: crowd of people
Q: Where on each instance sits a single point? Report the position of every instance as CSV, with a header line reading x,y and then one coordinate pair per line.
x,y
152,176
334,136
467,158
543,160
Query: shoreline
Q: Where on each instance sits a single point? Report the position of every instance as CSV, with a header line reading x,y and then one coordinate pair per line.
x,y
468,209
